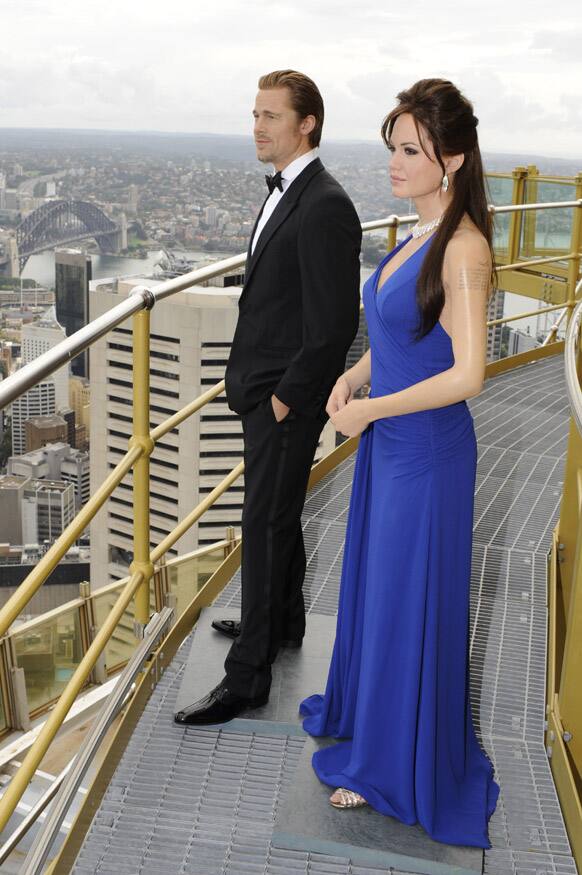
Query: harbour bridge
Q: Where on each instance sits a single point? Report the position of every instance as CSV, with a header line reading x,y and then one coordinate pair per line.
x,y
61,222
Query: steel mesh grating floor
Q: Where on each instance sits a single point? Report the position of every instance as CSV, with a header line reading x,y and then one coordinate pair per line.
x,y
142,826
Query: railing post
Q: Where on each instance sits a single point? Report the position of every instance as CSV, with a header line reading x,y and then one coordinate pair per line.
x,y
19,717
517,197
20,698
161,584
141,471
85,617
575,247
530,217
392,232
89,631
231,541
6,688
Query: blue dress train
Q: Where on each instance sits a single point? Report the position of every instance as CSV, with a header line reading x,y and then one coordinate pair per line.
x,y
398,684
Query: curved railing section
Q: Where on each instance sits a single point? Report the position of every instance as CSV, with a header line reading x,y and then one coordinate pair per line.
x,y
564,688
137,586
572,359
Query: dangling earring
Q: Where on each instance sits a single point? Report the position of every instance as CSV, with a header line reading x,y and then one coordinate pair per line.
x,y
445,183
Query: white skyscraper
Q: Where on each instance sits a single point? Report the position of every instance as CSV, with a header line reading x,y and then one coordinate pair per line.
x,y
38,401
48,505
39,337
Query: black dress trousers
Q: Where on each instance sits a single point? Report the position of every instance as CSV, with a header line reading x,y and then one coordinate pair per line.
x,y
278,457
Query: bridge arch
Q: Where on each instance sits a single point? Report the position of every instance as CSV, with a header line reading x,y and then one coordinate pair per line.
x,y
65,221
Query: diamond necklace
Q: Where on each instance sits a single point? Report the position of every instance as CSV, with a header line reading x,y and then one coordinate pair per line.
x,y
419,230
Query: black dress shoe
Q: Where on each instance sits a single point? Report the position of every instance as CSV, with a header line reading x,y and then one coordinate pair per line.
x,y
231,628
218,706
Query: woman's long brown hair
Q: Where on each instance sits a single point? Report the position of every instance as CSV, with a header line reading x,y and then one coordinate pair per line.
x,y
447,118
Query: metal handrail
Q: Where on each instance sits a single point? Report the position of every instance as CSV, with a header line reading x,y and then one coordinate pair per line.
x,y
532,262
551,205
524,315
154,632
572,348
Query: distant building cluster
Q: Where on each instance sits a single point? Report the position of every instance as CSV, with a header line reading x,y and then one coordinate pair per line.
x,y
47,468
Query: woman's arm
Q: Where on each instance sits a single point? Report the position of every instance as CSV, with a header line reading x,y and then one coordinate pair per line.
x,y
358,375
348,384
467,280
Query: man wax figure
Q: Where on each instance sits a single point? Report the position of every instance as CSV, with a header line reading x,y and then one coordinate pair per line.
x,y
298,315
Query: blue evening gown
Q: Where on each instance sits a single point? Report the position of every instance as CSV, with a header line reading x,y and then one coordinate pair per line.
x,y
398,684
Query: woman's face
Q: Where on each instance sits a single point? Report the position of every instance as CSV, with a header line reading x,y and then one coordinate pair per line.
x,y
413,173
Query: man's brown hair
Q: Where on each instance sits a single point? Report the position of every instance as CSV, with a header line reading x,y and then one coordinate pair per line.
x,y
305,97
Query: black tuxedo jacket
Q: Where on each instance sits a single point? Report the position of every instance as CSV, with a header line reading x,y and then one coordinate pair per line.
x,y
299,308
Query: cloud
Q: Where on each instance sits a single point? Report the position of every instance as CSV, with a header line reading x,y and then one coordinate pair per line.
x,y
560,45
102,63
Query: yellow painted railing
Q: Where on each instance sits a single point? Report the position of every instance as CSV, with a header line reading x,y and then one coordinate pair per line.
x,y
564,674
141,444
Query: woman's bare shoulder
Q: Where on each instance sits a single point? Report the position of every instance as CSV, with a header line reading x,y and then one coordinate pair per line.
x,y
467,246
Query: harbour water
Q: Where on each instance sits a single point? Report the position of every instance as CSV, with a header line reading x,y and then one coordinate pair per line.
x,y
41,268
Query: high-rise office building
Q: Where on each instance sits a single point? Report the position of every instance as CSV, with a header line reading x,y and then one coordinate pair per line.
x,y
55,461
37,338
494,332
75,469
191,334
72,278
11,496
42,430
48,507
38,401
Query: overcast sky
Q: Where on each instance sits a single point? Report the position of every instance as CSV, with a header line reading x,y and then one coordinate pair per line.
x,y
192,66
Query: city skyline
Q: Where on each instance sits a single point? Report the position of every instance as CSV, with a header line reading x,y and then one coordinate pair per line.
x,y
518,66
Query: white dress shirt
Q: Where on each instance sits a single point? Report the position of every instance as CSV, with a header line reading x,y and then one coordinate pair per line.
x,y
288,174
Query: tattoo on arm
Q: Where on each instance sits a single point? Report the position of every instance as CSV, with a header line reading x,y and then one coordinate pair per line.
x,y
476,278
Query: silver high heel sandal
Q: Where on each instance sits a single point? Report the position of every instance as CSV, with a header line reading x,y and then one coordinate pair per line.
x,y
348,799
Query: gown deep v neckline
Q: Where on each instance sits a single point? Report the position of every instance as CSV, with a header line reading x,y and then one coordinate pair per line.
x,y
377,287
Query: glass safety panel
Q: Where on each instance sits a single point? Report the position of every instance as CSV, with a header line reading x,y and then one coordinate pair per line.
x,y
49,652
546,232
123,641
187,577
500,192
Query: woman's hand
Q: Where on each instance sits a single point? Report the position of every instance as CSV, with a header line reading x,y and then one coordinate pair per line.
x,y
353,417
341,394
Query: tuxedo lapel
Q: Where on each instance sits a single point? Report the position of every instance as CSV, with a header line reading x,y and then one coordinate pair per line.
x,y
281,212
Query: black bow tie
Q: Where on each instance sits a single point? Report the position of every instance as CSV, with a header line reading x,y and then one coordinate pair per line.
x,y
274,181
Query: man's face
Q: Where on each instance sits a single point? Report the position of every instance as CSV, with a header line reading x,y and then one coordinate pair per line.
x,y
278,128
